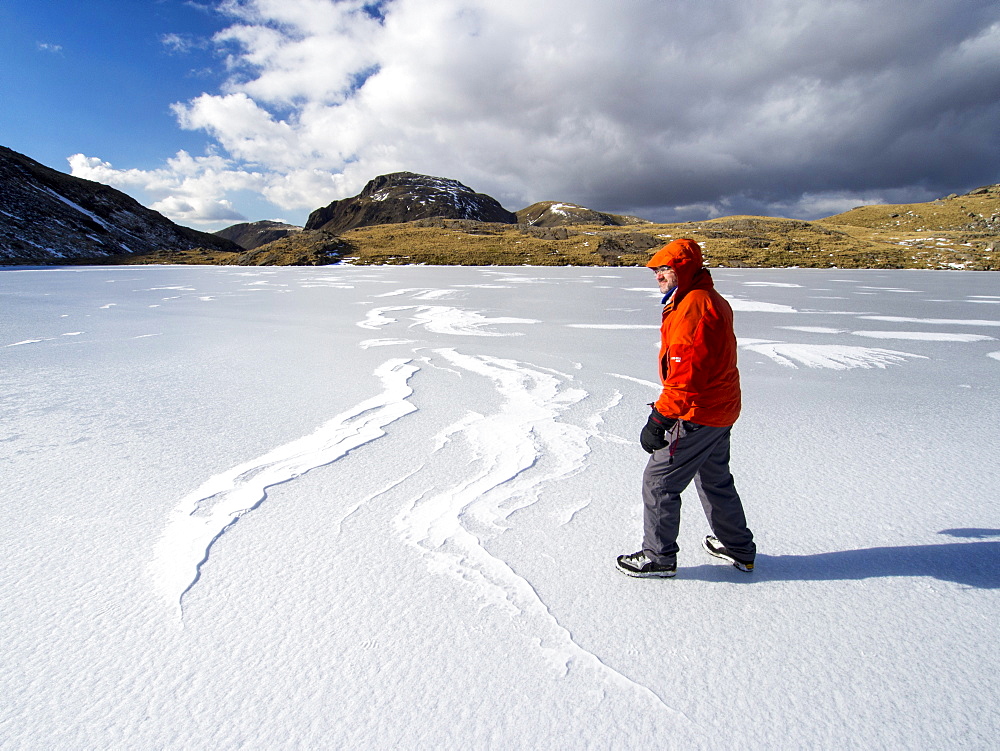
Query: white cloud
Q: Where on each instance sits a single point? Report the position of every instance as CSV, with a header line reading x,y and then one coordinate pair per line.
x,y
648,107
177,42
189,190
183,44
247,131
198,210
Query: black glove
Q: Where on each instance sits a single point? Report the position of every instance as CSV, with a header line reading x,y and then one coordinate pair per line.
x,y
654,434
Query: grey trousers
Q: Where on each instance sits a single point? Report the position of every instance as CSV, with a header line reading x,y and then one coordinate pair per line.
x,y
701,453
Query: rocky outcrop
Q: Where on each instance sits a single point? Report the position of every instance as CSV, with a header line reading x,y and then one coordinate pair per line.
x,y
993,191
250,235
555,214
617,244
306,248
48,216
405,197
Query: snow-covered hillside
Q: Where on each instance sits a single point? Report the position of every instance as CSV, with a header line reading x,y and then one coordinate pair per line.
x,y
359,507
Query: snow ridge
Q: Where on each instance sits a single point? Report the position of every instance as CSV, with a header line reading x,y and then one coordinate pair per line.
x,y
204,515
504,447
443,319
833,356
73,205
515,454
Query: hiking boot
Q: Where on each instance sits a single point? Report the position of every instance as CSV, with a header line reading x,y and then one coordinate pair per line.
x,y
640,566
714,547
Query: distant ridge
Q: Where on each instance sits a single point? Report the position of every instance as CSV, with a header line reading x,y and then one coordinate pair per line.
x,y
48,216
251,235
556,214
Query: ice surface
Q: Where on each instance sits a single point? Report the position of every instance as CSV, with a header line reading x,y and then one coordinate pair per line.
x,y
428,519
201,517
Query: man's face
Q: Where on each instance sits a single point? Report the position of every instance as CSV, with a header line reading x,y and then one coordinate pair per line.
x,y
666,278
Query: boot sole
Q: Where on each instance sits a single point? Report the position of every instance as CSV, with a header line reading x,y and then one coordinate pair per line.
x,y
647,574
748,568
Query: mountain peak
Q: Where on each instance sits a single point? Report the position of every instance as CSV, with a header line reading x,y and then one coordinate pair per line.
x,y
404,197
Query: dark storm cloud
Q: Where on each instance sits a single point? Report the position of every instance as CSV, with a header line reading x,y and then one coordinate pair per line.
x,y
669,109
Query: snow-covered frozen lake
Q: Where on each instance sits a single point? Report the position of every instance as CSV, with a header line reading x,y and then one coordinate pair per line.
x,y
433,470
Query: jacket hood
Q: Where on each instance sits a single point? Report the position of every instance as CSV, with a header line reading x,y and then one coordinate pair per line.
x,y
683,256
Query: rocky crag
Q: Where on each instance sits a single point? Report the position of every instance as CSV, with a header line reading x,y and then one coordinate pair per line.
x,y
405,197
48,216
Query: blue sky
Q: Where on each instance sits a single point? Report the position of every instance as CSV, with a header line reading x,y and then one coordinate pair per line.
x,y
95,76
220,111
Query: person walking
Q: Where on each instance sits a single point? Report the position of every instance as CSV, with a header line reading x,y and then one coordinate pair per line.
x,y
688,430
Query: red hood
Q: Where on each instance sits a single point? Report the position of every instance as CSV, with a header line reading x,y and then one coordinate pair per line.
x,y
684,257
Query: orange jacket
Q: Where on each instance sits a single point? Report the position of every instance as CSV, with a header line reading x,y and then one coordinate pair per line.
x,y
701,383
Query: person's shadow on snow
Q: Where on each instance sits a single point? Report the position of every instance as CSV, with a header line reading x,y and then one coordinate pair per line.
x,y
974,564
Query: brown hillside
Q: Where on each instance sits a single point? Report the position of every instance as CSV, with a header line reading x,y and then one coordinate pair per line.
x,y
953,232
